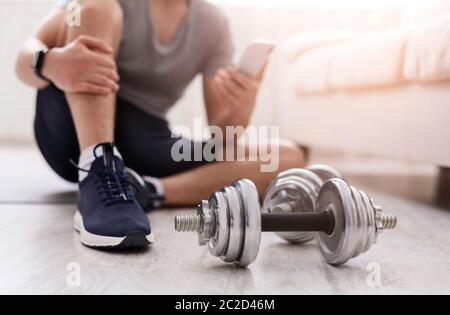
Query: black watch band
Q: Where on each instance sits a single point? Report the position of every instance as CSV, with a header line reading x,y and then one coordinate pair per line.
x,y
38,63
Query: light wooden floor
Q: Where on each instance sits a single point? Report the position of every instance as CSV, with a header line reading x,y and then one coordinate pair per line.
x,y
38,243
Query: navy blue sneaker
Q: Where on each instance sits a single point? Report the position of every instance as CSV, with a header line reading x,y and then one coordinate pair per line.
x,y
109,215
144,191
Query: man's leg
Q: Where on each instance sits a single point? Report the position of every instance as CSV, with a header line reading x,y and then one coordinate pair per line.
x,y
94,115
108,215
190,187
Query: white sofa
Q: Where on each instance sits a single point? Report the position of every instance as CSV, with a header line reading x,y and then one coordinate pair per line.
x,y
403,117
410,122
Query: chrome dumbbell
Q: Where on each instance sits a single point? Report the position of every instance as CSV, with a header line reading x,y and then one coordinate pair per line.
x,y
296,191
230,222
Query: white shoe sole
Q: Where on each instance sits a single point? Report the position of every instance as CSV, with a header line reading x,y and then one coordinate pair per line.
x,y
93,240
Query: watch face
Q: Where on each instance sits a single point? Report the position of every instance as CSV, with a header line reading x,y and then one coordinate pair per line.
x,y
35,59
38,59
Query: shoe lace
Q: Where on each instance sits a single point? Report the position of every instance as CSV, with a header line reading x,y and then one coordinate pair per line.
x,y
112,185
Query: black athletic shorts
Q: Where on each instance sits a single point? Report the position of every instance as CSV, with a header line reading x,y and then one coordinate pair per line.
x,y
144,141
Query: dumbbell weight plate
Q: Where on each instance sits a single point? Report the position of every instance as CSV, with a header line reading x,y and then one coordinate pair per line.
x,y
300,172
298,188
325,172
336,196
251,220
293,195
365,218
296,175
219,243
236,226
356,226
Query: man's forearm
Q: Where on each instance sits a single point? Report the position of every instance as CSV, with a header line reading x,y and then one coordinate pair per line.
x,y
23,64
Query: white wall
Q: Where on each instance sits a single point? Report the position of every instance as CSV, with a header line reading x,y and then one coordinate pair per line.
x,y
268,20
17,20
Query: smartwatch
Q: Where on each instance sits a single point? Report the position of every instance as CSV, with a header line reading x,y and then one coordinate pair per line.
x,y
38,63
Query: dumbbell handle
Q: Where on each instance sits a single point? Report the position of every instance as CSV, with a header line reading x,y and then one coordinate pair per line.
x,y
298,222
271,222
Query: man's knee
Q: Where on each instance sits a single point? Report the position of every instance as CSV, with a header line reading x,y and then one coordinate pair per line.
x,y
278,156
291,155
104,13
99,18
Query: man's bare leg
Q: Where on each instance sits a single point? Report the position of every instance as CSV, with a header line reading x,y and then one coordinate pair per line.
x,y
103,195
94,115
191,187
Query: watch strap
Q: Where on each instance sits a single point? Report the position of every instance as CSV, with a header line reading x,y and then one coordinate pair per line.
x,y
38,63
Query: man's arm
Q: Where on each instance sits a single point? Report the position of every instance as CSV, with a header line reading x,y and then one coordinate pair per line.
x,y
80,66
45,36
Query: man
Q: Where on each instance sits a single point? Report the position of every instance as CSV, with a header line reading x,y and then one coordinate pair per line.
x,y
112,80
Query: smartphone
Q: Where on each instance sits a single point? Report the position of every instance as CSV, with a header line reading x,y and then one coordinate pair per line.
x,y
255,56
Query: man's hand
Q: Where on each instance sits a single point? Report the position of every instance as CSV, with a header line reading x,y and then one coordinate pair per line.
x,y
84,66
236,88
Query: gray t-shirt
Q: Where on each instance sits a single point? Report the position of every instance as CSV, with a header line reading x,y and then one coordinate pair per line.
x,y
154,76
